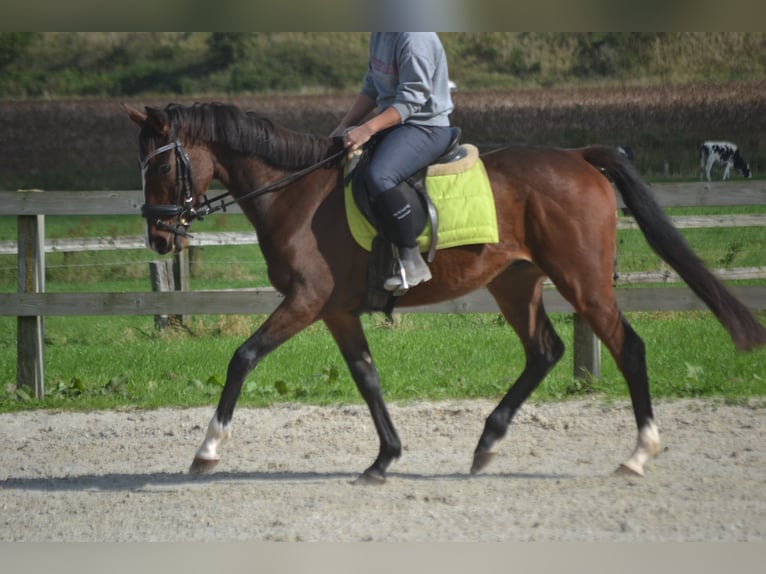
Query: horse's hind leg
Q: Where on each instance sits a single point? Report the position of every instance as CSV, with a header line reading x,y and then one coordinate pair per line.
x,y
630,357
599,308
518,292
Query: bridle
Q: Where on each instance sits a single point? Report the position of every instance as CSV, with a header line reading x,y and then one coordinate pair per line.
x,y
184,210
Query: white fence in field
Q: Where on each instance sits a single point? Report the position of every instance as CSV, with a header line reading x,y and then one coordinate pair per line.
x,y
30,304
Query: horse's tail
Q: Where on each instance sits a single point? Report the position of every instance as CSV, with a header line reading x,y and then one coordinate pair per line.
x,y
745,330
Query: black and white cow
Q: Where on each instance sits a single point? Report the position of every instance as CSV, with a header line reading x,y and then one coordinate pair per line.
x,y
724,153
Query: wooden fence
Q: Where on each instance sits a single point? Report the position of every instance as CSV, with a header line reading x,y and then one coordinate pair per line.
x,y
31,304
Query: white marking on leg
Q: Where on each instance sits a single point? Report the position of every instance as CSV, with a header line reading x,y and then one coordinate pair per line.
x,y
217,434
647,446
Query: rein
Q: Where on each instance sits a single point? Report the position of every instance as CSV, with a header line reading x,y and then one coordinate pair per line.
x,y
184,209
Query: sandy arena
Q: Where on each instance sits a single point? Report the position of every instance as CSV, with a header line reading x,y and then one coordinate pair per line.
x,y
287,475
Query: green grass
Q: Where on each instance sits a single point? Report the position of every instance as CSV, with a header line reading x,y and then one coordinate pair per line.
x,y
117,362
719,248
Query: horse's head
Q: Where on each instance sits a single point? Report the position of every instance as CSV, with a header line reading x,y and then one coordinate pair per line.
x,y
172,189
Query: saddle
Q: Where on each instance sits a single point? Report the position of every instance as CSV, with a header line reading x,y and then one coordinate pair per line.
x,y
382,258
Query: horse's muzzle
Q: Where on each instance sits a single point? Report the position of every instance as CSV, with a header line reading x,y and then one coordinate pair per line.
x,y
165,238
158,217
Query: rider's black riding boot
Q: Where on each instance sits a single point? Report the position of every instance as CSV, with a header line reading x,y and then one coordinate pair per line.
x,y
395,214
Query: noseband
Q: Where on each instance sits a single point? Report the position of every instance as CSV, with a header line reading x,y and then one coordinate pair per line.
x,y
183,210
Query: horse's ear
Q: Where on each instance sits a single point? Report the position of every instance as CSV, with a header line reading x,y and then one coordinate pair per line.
x,y
135,115
158,120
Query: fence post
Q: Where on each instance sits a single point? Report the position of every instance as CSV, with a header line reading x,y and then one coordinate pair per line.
x,y
181,267
30,338
587,350
170,275
195,259
161,276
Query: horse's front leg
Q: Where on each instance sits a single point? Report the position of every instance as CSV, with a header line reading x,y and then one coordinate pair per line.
x,y
207,456
282,324
349,335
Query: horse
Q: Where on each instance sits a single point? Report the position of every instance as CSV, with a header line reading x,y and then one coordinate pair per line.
x,y
556,215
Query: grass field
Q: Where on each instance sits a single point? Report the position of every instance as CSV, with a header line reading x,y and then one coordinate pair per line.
x,y
116,362
121,362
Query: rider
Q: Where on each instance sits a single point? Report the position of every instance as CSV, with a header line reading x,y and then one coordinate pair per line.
x,y
408,81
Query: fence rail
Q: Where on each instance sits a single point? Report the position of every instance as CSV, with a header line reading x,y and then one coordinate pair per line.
x,y
78,244
264,300
128,202
31,303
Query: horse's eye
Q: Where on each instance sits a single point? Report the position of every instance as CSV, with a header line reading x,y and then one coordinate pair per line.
x,y
165,168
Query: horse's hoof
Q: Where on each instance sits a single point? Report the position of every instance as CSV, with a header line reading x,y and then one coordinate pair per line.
x,y
370,477
200,466
626,469
480,461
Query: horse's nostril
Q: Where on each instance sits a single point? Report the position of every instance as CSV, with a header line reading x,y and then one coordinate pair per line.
x,y
159,244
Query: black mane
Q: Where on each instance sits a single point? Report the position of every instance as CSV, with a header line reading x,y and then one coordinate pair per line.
x,y
248,133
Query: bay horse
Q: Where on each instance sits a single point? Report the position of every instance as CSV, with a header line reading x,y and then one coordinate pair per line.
x,y
556,212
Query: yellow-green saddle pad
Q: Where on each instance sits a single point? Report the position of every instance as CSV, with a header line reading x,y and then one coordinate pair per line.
x,y
464,203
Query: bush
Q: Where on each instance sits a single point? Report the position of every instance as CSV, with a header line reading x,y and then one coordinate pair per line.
x,y
13,45
229,62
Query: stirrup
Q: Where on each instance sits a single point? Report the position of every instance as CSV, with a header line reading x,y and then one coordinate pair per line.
x,y
399,284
